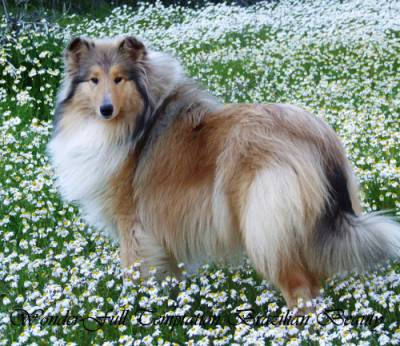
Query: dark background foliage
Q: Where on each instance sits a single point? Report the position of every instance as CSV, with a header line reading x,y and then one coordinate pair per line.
x,y
19,13
37,8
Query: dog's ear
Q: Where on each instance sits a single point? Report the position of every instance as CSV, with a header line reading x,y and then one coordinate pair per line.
x,y
133,47
75,51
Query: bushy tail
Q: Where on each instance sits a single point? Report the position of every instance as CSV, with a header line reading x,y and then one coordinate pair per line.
x,y
356,242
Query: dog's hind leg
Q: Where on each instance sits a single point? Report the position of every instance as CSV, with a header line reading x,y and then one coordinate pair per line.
x,y
296,281
275,232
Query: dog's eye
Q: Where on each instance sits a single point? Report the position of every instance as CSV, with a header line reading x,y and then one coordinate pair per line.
x,y
117,80
94,80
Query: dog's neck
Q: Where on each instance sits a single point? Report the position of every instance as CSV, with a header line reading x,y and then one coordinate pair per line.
x,y
186,99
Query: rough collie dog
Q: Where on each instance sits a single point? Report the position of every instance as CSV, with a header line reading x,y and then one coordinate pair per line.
x,y
177,176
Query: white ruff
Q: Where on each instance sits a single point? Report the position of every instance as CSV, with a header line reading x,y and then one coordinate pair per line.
x,y
84,162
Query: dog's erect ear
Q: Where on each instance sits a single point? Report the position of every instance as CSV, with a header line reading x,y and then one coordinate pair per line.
x,y
133,47
74,52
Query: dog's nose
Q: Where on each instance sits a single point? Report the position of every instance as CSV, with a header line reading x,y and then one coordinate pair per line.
x,y
106,110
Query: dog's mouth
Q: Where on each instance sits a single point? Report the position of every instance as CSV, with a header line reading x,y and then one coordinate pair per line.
x,y
107,116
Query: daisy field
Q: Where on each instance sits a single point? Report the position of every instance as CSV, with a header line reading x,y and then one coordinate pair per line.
x,y
337,59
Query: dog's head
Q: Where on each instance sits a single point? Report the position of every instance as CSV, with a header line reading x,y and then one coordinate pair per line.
x,y
106,79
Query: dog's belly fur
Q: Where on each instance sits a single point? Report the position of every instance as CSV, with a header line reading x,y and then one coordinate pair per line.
x,y
194,224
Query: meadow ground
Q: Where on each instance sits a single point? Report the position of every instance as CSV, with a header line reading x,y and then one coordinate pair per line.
x,y
339,60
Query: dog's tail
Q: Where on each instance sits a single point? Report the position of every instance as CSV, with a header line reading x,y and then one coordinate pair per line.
x,y
356,242
346,240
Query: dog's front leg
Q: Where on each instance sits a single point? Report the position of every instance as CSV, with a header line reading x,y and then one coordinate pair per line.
x,y
138,244
129,247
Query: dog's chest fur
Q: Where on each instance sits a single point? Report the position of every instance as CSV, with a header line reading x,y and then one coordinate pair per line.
x,y
84,163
